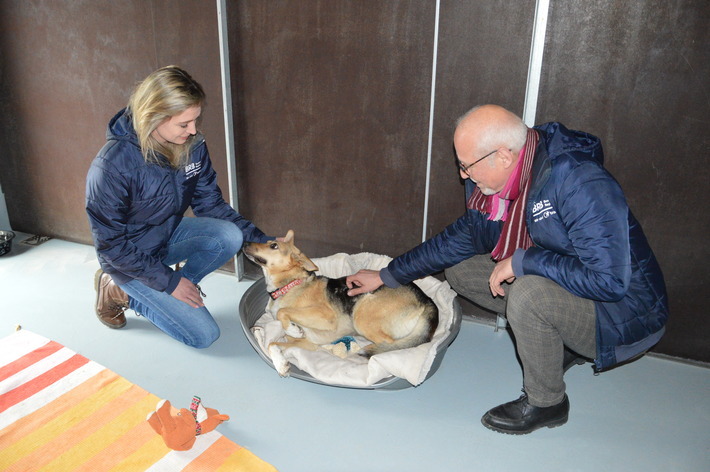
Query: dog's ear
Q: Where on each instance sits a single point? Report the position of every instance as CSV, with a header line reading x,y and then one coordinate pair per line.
x,y
289,236
306,263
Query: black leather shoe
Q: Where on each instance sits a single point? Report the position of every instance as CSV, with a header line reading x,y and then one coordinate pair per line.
x,y
571,359
520,417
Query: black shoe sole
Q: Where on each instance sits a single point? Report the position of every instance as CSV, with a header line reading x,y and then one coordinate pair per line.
x,y
551,424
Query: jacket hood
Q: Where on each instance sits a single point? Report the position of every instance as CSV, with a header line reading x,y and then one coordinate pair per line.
x,y
561,140
121,127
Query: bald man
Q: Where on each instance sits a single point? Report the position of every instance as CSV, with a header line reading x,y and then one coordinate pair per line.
x,y
549,241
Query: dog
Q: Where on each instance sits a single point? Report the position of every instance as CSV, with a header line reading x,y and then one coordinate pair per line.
x,y
391,318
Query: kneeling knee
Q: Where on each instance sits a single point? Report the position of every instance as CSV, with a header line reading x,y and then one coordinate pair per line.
x,y
236,240
203,339
521,296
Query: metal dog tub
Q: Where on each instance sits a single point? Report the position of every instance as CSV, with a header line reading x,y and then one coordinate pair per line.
x,y
253,305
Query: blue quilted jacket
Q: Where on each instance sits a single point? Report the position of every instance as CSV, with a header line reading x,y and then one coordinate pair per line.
x,y
586,240
134,207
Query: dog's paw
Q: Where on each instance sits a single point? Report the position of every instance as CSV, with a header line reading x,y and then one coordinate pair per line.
x,y
338,349
280,363
294,331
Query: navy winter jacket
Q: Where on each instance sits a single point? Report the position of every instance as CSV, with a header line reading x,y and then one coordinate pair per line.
x,y
134,207
586,240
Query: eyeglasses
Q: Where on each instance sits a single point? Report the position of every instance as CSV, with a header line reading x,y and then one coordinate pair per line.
x,y
464,168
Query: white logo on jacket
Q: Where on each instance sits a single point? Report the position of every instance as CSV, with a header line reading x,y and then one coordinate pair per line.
x,y
542,209
192,169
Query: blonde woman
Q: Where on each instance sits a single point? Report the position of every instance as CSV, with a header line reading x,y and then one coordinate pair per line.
x,y
153,167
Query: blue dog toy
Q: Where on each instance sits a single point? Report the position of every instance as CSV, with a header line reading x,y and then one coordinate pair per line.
x,y
345,340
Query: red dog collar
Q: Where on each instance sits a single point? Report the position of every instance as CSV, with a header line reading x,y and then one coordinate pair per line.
x,y
282,291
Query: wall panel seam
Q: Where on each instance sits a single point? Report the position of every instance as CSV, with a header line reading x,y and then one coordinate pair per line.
x,y
228,120
431,122
537,49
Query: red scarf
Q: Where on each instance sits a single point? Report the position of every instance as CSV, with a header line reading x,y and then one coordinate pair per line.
x,y
510,202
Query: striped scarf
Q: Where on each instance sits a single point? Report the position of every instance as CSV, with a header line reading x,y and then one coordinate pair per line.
x,y
510,201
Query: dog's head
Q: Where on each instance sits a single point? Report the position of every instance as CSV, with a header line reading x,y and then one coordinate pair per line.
x,y
280,260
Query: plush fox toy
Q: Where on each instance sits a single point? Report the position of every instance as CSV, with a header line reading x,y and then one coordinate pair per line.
x,y
180,431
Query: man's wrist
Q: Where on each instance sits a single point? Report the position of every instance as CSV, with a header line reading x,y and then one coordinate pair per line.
x,y
387,278
517,262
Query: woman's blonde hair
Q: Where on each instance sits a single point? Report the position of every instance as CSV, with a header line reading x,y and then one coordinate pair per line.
x,y
165,93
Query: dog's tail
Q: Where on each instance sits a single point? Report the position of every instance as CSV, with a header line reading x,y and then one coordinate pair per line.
x,y
422,332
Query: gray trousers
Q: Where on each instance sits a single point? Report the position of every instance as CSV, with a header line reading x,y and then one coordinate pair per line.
x,y
544,317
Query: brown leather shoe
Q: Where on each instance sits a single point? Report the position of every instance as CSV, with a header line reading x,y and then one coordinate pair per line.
x,y
111,301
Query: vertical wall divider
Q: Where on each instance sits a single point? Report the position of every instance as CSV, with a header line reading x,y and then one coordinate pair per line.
x,y
4,217
537,49
431,122
228,120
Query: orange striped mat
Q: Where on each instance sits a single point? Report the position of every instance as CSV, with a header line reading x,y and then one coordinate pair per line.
x,y
60,411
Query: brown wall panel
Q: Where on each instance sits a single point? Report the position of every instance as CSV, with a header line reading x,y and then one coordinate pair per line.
x,y
65,69
332,104
636,75
482,58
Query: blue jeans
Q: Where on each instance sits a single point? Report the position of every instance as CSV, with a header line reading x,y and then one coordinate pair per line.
x,y
206,244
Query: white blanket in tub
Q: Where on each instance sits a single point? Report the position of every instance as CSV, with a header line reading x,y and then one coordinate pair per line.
x,y
412,364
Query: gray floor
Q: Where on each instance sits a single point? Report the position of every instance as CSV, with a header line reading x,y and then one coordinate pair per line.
x,y
652,415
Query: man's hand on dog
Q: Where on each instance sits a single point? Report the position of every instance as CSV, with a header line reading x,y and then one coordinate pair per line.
x,y
187,292
363,282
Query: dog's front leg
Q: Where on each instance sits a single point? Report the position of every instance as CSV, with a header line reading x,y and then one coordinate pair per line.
x,y
280,362
303,343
